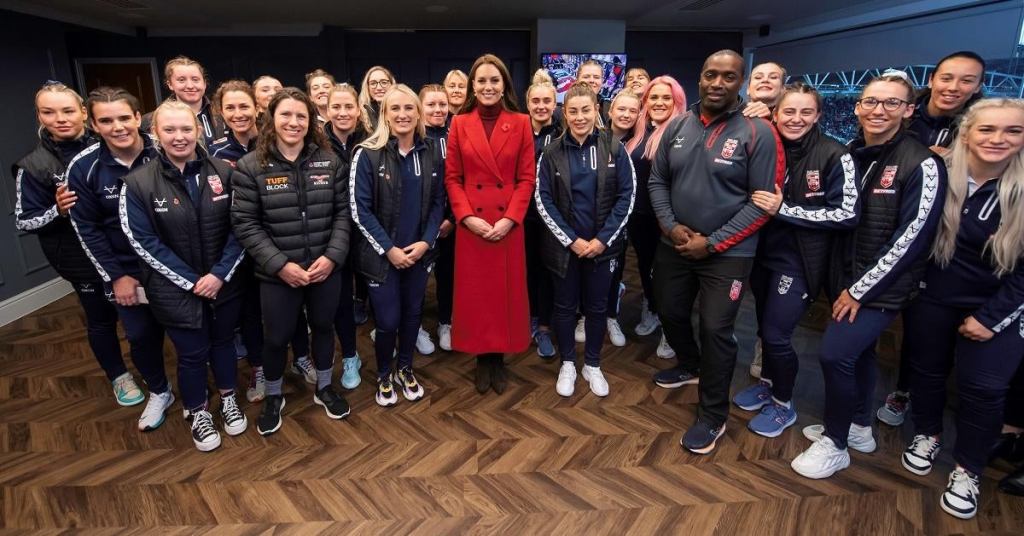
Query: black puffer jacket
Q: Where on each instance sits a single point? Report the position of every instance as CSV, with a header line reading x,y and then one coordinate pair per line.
x,y
291,211
940,130
37,176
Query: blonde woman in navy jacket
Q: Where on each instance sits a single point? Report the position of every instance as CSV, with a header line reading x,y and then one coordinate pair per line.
x,y
176,213
397,202
972,296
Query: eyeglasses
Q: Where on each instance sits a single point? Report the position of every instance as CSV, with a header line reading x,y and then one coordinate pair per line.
x,y
379,83
890,105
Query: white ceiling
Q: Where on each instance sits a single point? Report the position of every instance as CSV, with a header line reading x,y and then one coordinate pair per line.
x,y
274,16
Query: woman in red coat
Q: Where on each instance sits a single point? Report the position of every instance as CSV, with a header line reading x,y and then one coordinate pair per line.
x,y
489,174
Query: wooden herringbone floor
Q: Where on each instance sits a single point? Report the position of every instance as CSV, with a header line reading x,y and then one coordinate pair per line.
x,y
526,462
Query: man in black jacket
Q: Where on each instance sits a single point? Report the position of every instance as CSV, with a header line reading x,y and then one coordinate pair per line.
x,y
705,170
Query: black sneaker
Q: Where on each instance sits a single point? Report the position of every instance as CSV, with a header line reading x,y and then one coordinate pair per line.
x,y
701,438
675,377
333,403
234,420
270,418
204,433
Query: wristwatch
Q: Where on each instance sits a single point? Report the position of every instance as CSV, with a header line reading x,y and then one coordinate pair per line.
x,y
710,247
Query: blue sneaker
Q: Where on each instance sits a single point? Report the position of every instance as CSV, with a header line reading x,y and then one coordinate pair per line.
x,y
545,348
754,397
701,438
773,419
675,377
350,376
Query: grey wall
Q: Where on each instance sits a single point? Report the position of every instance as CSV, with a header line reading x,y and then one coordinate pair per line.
x,y
32,50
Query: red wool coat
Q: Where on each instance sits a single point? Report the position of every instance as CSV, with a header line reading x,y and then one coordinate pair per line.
x,y
490,179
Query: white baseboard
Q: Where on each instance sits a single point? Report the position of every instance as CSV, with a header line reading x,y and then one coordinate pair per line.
x,y
33,299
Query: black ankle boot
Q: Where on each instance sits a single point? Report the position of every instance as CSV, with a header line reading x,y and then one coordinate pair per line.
x,y
499,375
1013,483
483,373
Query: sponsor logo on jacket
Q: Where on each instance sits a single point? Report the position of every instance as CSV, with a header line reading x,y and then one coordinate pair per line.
x,y
277,183
813,180
159,204
321,179
320,164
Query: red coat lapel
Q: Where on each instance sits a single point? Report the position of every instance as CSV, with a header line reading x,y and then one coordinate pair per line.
x,y
502,132
478,140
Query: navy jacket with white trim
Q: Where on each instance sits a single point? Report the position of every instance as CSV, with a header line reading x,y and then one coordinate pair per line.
x,y
970,281
96,178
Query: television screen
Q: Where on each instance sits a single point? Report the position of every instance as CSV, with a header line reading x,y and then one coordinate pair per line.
x,y
562,68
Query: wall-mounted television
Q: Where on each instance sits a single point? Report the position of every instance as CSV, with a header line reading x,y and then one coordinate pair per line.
x,y
562,68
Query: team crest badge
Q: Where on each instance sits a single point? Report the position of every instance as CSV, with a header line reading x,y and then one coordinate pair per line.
x,y
729,147
215,184
735,290
888,176
784,283
813,180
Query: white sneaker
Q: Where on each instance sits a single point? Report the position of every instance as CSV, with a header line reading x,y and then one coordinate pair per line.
x,y
566,383
648,320
424,345
821,460
859,438
756,362
961,496
615,333
204,433
581,330
126,391
153,414
664,350
598,385
921,453
444,337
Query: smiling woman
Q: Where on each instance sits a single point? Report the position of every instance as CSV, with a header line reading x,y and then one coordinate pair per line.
x,y
291,214
189,256
490,177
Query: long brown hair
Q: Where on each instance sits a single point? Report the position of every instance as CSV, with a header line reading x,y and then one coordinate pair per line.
x,y
268,136
232,85
508,97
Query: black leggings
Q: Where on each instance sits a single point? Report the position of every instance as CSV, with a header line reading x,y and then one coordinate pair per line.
x,y
644,234
281,307
250,325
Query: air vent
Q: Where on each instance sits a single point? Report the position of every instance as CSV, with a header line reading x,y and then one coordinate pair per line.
x,y
123,4
698,5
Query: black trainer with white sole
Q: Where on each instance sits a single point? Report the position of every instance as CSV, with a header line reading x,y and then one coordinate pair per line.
x,y
334,404
270,420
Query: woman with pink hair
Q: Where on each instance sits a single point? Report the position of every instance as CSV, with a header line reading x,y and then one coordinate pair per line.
x,y
661,101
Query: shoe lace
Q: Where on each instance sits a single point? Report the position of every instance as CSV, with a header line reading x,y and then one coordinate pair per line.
x,y
202,424
154,407
614,328
821,448
230,410
350,364
385,386
775,412
305,364
408,378
963,484
125,384
924,446
423,335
